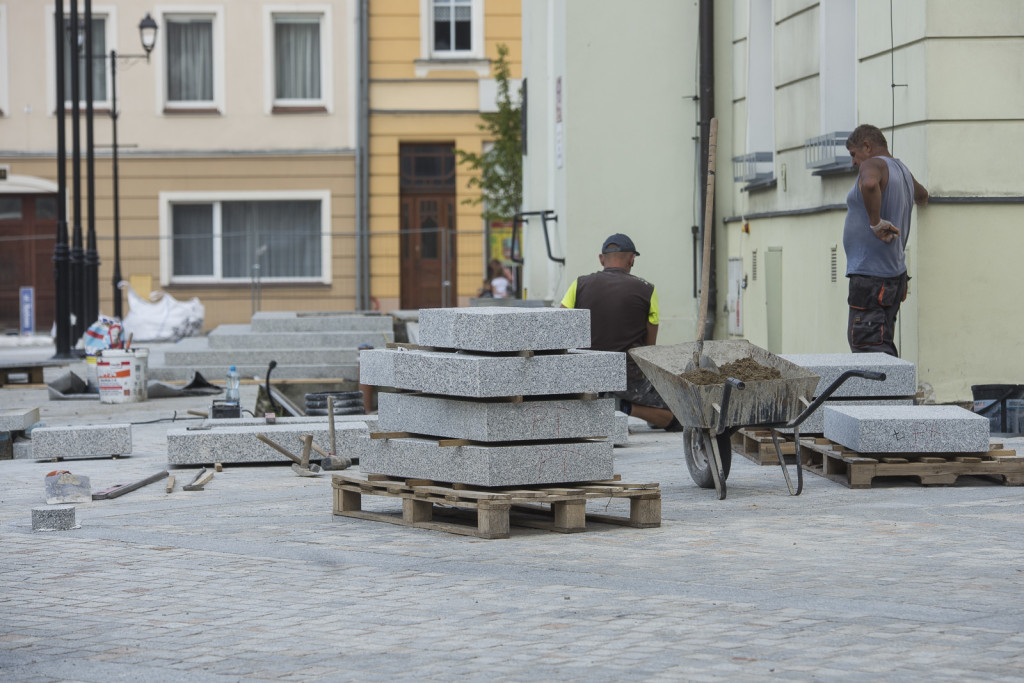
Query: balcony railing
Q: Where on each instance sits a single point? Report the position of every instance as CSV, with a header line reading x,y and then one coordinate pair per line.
x,y
754,167
827,153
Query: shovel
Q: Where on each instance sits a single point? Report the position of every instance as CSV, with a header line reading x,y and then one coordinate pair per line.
x,y
699,359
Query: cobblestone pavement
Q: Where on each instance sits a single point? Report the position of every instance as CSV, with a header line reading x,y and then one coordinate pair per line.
x,y
255,579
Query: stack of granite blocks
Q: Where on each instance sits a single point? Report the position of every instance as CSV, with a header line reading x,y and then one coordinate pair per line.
x,y
898,388
510,385
14,422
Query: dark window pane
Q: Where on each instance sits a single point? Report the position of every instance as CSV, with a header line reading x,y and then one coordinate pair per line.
x,y
46,208
282,237
297,55
190,60
97,63
192,230
10,208
463,36
442,35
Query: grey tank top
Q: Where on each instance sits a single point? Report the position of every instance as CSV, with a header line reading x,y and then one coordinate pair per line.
x,y
865,253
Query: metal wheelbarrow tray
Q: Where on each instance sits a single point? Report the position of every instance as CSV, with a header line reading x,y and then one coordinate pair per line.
x,y
712,413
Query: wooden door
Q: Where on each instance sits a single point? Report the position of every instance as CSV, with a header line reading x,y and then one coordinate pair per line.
x,y
28,233
427,223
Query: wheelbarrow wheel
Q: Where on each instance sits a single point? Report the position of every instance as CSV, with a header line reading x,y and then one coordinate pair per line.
x,y
697,447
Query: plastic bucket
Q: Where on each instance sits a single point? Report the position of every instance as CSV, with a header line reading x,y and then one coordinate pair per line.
x,y
1002,404
121,375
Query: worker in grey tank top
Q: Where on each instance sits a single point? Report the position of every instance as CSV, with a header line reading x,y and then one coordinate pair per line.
x,y
874,237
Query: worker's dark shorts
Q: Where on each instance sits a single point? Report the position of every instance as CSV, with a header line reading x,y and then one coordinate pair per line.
x,y
874,303
640,391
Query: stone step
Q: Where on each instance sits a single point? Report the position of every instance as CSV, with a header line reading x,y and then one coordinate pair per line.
x,y
244,337
215,373
299,321
907,429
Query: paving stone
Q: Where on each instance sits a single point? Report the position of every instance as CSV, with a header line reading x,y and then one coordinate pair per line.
x,y
62,442
298,321
483,421
18,419
239,444
67,487
518,465
901,376
457,374
815,422
498,329
907,429
58,518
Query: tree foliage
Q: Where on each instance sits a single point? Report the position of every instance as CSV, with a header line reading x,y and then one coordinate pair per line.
x,y
499,171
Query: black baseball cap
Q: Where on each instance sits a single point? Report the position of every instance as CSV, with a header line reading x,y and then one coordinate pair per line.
x,y
621,242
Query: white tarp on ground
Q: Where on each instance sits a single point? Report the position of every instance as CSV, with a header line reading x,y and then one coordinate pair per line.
x,y
163,318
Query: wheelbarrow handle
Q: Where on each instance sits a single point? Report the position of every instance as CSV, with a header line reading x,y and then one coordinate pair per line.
x,y
864,374
730,383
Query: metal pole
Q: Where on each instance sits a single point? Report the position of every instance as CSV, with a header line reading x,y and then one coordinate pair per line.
x,y
77,253
117,191
91,292
61,274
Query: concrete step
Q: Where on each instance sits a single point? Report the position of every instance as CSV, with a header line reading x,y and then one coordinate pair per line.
x,y
215,373
299,321
244,337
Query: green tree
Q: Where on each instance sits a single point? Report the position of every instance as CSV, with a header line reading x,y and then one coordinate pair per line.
x,y
499,171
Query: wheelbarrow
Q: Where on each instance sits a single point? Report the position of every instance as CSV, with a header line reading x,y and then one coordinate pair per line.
x,y
712,413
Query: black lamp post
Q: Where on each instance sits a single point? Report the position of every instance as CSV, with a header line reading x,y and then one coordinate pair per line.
x,y
147,34
77,252
90,283
61,257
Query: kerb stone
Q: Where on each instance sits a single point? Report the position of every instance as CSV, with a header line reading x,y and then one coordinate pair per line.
x,y
506,465
530,420
907,429
239,444
18,419
494,329
456,374
900,380
49,443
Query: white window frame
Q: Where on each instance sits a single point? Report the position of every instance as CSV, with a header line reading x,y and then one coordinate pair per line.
x,y
109,13
761,82
323,12
5,46
452,60
168,199
216,13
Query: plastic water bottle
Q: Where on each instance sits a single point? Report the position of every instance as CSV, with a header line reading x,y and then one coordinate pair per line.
x,y
231,386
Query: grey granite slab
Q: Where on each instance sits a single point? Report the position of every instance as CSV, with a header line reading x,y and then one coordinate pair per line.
x,y
196,351
516,465
484,421
244,337
239,444
246,421
247,370
620,431
57,518
67,487
494,329
49,443
459,374
18,419
316,321
907,429
901,375
815,422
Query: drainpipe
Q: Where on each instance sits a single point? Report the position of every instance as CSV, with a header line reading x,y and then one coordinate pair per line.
x,y
706,90
362,162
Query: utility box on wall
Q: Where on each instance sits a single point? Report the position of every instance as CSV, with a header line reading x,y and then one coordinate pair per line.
x,y
734,300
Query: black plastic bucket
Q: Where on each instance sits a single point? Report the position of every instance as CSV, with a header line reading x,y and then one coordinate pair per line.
x,y
1002,404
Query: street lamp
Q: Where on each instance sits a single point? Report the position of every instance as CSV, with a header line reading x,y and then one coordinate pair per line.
x,y
147,35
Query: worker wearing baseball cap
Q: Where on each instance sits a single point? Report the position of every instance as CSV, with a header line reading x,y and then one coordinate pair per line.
x,y
623,315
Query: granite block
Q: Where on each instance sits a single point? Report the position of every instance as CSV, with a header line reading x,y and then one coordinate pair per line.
x,y
59,518
18,419
901,376
244,337
815,422
506,465
495,329
49,443
530,420
246,421
239,444
22,449
907,429
196,352
315,321
458,374
65,487
620,431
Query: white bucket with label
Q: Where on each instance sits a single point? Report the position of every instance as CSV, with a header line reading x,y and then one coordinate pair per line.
x,y
92,381
121,375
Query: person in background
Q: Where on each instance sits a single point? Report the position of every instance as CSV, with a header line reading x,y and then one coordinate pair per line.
x,y
875,237
500,283
623,315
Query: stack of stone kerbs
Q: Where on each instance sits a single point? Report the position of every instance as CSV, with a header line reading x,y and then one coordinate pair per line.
x,y
503,397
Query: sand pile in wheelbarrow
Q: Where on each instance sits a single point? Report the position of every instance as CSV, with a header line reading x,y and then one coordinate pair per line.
x,y
744,369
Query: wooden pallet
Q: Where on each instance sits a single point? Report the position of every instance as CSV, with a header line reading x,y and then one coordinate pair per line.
x,y
756,445
857,471
489,512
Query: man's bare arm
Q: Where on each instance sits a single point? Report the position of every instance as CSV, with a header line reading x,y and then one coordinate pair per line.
x,y
920,194
652,334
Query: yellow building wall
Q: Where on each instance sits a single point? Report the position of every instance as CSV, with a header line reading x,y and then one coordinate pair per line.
x,y
442,106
